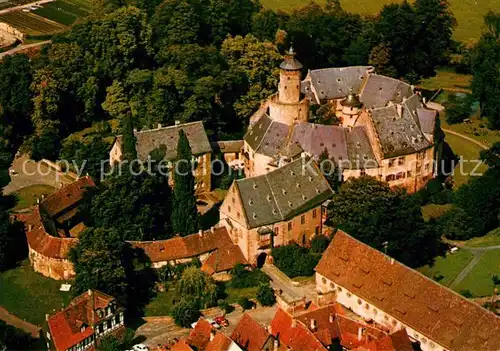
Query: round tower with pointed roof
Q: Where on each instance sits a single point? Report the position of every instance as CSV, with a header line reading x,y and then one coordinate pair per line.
x,y
350,108
289,86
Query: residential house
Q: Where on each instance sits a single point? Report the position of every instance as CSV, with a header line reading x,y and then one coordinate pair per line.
x,y
87,319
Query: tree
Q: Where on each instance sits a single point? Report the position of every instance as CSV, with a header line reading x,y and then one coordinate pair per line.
x,y
295,260
265,24
369,210
185,218
458,108
198,286
265,295
380,58
485,68
99,261
14,339
319,244
88,155
245,303
185,312
259,63
137,206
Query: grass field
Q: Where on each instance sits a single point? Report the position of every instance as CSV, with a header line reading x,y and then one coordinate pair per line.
x,y
431,211
470,152
450,80
64,11
30,295
32,24
449,267
27,197
490,239
469,13
479,281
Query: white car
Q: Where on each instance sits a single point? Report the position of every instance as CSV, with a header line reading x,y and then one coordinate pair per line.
x,y
140,347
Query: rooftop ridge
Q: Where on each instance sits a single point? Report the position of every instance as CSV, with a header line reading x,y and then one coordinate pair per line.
x,y
163,128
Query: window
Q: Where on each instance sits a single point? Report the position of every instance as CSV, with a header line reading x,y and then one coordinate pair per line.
x,y
332,286
324,281
302,219
349,294
359,302
408,174
238,215
390,177
317,230
314,213
427,167
233,200
401,161
229,208
400,175
362,172
367,306
391,163
289,226
276,230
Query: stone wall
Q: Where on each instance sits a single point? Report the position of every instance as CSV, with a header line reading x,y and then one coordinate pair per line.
x,y
58,269
11,30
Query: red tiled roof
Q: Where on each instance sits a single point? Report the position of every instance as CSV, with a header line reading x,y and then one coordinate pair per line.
x,y
66,196
43,243
295,335
65,326
249,335
348,331
185,247
181,345
431,309
223,259
219,343
199,337
398,341
324,319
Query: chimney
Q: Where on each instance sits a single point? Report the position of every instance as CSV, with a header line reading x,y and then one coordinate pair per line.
x,y
360,333
276,344
200,232
177,122
46,316
89,292
30,227
270,329
313,325
399,108
330,318
212,334
159,125
37,200
425,100
212,229
294,323
135,130
392,260
43,196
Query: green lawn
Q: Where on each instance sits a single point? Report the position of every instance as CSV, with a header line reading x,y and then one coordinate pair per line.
x,y
30,295
479,281
161,304
233,295
450,80
476,129
27,196
469,14
64,11
490,239
449,267
470,152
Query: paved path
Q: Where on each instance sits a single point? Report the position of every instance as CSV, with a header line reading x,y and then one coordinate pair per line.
x,y
23,47
20,7
292,291
161,330
17,322
481,145
30,172
467,269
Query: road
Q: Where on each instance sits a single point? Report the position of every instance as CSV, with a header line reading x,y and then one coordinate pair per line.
x,y
23,47
17,322
481,145
20,7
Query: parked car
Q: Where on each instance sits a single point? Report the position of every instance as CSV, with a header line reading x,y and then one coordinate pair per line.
x,y
222,321
140,347
26,10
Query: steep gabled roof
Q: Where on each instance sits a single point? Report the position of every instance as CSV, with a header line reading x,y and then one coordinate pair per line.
x,y
199,337
379,90
315,138
167,137
431,309
267,136
397,341
283,193
249,335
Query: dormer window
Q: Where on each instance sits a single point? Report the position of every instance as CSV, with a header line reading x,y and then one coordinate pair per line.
x,y
82,329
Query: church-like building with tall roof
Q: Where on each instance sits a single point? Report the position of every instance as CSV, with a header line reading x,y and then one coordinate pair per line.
x,y
374,125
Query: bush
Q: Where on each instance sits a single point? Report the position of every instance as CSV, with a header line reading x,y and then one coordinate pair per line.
x,y
185,312
14,338
319,244
245,303
496,279
265,295
466,293
243,278
458,108
295,260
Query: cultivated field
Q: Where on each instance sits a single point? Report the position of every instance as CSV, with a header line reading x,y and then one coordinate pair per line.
x,y
469,13
65,11
32,24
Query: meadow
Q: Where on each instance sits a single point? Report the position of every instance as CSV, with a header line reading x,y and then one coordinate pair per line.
x,y
469,13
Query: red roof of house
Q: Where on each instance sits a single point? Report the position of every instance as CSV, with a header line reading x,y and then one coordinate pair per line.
x,y
43,243
66,196
324,319
66,326
398,341
199,337
184,247
219,343
431,309
348,331
224,259
294,334
249,335
181,345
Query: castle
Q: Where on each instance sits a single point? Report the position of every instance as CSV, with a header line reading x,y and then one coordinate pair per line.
x,y
384,128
